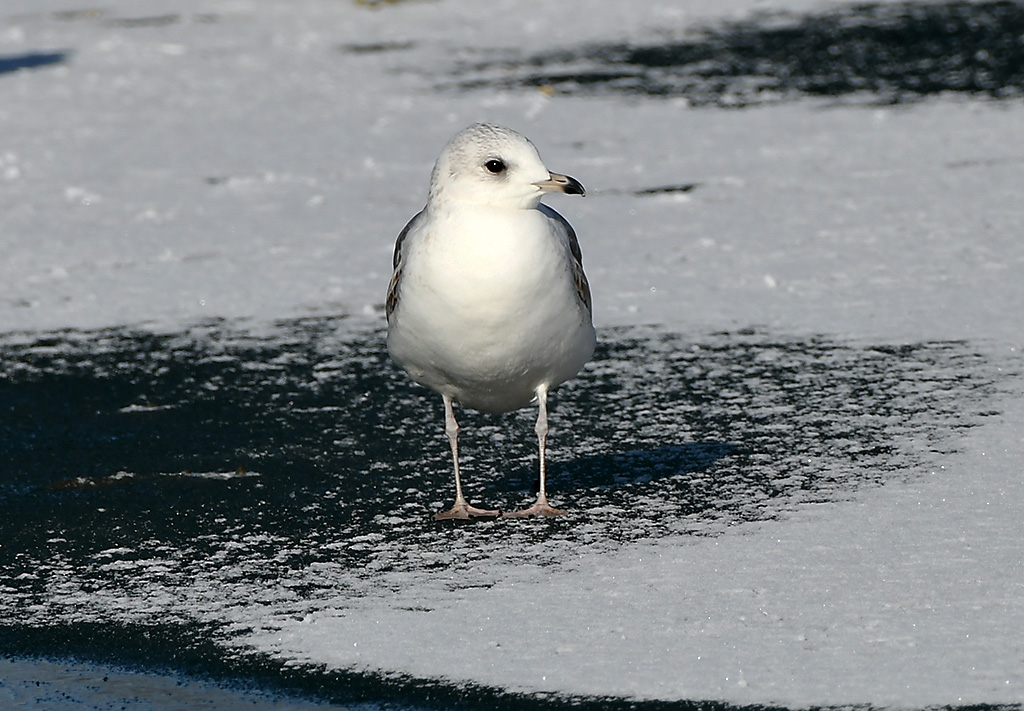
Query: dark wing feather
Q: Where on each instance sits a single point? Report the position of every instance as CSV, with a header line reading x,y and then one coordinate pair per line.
x,y
396,277
582,285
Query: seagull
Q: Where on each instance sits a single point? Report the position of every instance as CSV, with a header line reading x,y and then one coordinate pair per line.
x,y
488,304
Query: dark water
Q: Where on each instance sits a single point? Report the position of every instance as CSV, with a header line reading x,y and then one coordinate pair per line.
x,y
150,484
874,52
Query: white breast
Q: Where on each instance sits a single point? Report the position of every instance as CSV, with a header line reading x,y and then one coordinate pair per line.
x,y
488,309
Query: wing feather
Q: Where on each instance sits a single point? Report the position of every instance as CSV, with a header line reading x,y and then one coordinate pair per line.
x,y
579,277
391,303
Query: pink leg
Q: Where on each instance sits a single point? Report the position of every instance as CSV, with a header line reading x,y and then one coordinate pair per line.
x,y
461,509
541,507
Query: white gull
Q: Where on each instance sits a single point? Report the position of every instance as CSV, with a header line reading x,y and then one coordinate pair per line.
x,y
488,304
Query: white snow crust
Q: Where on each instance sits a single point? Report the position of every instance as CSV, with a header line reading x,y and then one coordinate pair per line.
x,y
255,160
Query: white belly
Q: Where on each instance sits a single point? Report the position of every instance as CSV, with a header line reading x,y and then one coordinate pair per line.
x,y
488,314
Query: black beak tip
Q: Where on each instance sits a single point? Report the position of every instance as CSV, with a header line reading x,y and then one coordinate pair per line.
x,y
574,187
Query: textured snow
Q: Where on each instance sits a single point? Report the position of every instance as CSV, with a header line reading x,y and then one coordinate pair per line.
x,y
253,161
907,600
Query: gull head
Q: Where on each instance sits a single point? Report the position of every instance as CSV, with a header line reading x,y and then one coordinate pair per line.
x,y
492,165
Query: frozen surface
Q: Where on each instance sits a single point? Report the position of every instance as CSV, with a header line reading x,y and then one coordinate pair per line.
x,y
82,687
906,600
168,166
257,159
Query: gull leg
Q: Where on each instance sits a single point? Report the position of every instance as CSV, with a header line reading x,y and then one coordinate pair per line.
x,y
461,509
541,507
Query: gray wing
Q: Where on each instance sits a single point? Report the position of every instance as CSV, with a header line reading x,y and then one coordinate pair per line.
x,y
396,277
582,285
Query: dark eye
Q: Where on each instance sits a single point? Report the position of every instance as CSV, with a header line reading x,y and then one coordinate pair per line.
x,y
495,166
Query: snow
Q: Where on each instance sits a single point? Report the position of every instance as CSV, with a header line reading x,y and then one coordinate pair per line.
x,y
213,181
253,161
910,600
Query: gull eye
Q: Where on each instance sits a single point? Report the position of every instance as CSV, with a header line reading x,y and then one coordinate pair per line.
x,y
495,166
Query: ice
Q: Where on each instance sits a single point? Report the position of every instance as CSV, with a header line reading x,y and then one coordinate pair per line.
x,y
896,600
206,171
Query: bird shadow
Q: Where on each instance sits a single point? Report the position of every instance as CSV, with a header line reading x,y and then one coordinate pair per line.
x,y
611,470
31,60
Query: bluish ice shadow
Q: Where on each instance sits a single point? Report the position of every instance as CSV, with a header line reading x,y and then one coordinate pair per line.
x,y
642,466
31,60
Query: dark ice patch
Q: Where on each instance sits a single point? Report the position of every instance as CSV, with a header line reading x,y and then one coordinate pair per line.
x,y
877,52
152,483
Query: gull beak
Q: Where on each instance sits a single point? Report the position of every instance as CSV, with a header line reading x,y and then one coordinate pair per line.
x,y
558,183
